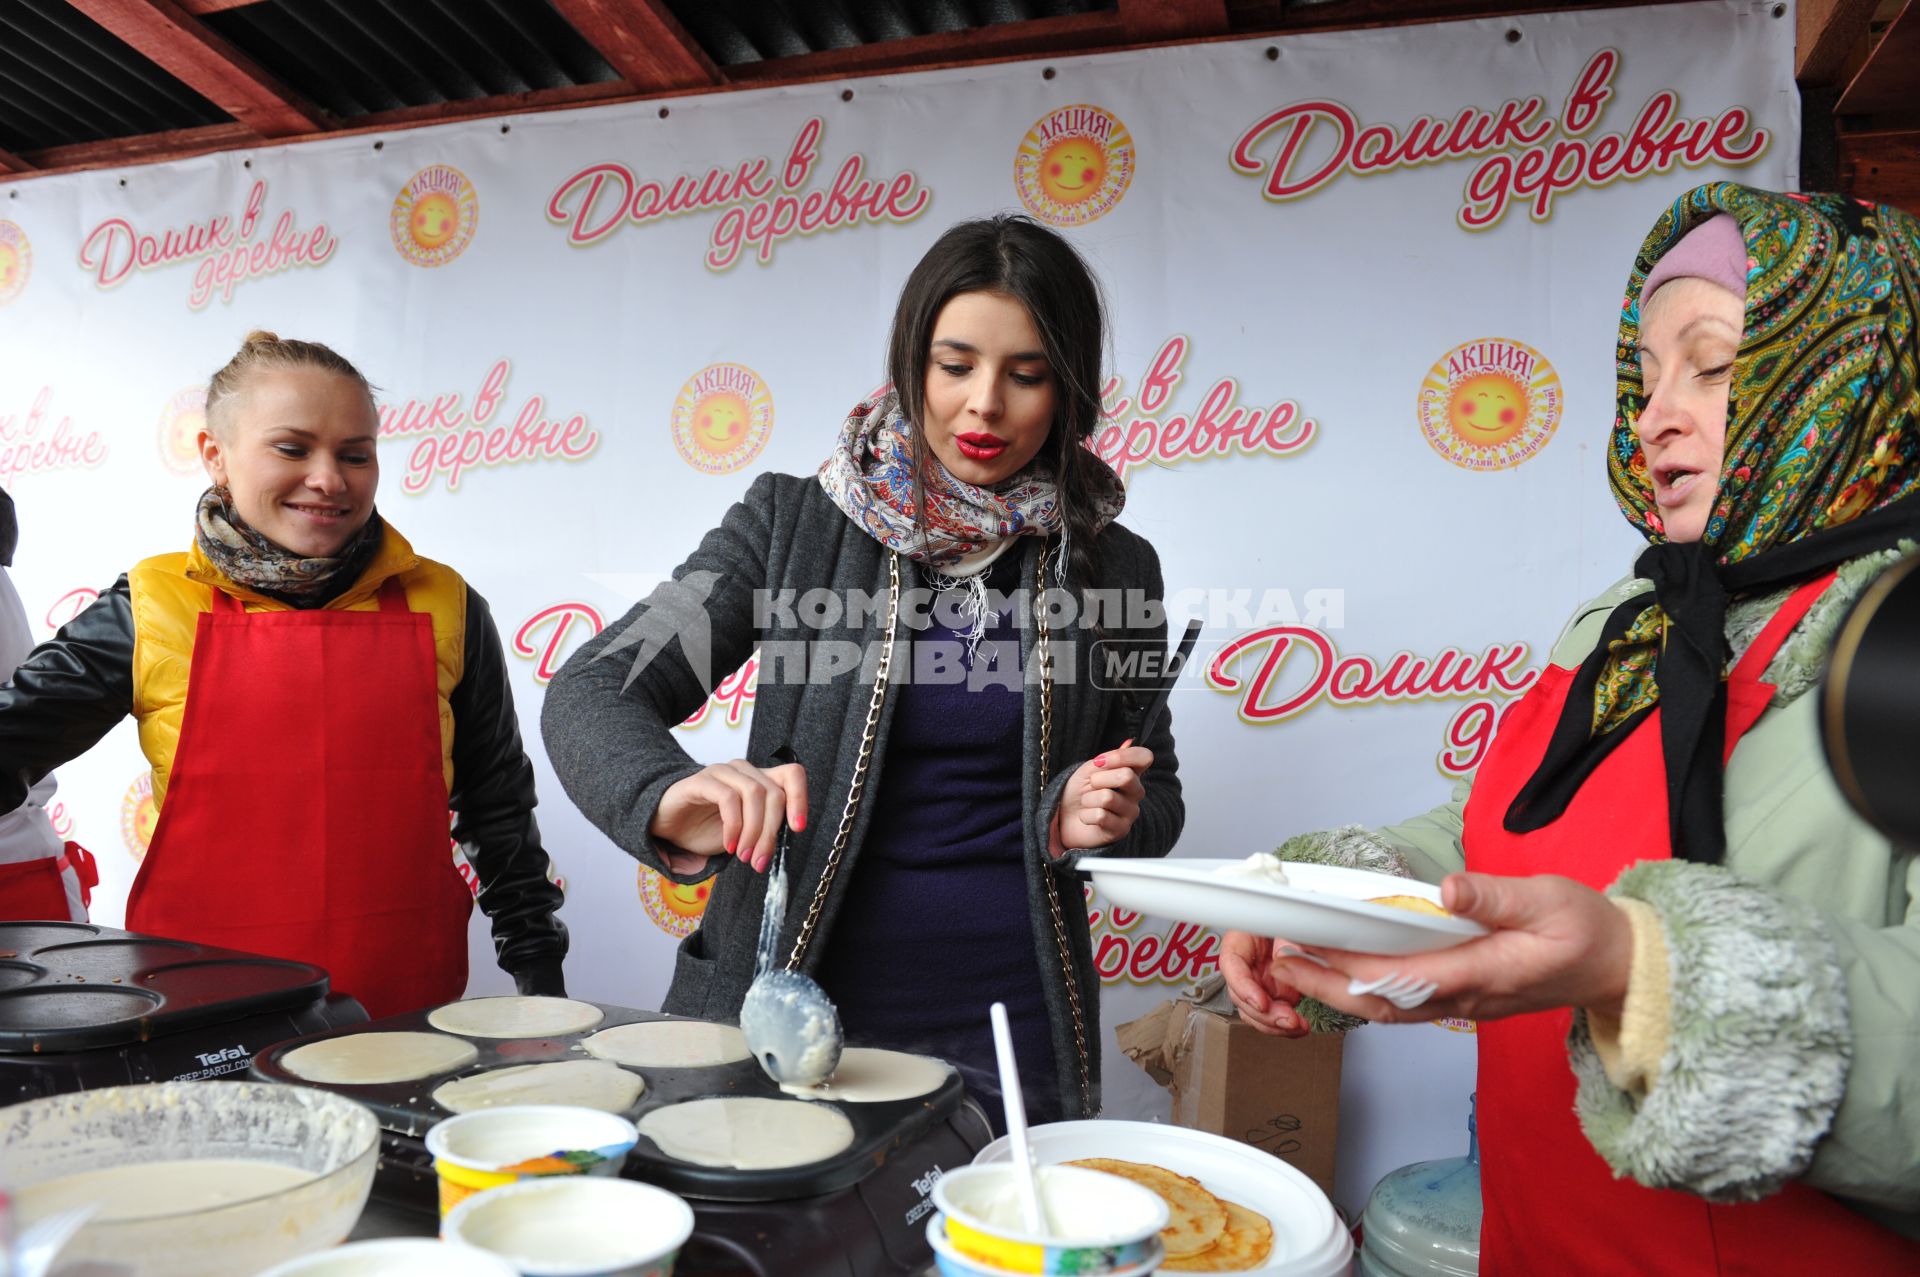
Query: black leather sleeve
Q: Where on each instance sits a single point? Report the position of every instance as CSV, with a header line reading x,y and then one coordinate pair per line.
x,y
67,694
493,802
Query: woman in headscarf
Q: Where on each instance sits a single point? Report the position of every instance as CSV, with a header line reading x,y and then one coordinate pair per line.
x,y
924,655
1745,996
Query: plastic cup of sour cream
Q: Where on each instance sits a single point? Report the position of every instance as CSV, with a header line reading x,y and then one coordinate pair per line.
x,y
1096,1223
396,1257
576,1227
494,1147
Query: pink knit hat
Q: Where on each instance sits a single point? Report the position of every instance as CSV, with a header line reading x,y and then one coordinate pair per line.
x,y
1713,250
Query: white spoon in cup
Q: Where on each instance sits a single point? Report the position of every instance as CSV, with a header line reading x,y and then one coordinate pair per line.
x,y
1016,1111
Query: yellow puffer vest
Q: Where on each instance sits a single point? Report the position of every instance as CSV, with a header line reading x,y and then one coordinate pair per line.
x,y
170,591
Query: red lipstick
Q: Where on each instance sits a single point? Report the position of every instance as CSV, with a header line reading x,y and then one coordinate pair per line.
x,y
980,446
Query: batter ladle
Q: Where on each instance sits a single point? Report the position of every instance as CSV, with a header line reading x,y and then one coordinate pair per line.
x,y
790,1024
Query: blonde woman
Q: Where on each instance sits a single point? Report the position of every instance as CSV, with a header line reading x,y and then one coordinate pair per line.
x,y
313,698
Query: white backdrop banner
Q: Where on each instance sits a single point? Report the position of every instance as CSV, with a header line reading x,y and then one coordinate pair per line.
x,y
1364,289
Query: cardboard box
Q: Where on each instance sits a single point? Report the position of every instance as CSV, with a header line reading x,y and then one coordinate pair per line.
x,y
1277,1094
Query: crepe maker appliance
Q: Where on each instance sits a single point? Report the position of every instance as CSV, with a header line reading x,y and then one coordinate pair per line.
x,y
862,1213
85,1006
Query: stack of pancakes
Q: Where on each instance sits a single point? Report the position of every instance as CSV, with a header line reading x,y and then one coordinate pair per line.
x,y
1204,1234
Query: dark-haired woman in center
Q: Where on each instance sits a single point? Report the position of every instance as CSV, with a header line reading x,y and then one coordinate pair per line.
x,y
957,749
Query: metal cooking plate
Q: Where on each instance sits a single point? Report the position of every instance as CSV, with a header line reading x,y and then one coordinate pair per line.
x,y
13,975
72,1007
17,938
234,977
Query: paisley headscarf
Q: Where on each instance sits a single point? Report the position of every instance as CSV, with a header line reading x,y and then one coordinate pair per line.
x,y
1821,464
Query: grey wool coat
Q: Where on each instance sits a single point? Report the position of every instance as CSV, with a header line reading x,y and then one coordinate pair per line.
x,y
610,711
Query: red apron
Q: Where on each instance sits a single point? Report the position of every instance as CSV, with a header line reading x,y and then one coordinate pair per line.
x,y
1551,1205
306,816
50,887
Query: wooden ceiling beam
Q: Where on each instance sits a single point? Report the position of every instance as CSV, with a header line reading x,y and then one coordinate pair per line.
x,y
200,8
1068,36
1888,82
1173,19
207,63
1827,37
1883,167
538,100
126,152
1254,18
644,42
11,163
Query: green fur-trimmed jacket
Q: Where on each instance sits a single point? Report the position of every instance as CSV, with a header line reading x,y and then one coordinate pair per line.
x,y
1795,1036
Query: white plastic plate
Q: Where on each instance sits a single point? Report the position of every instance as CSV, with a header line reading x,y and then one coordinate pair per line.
x,y
1308,1238
1321,905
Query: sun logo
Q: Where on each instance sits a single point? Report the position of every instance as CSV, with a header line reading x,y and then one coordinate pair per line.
x,y
16,261
1490,404
1073,165
435,216
675,907
138,815
722,418
181,422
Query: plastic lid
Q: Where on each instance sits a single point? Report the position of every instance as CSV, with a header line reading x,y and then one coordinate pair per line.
x,y
1424,1220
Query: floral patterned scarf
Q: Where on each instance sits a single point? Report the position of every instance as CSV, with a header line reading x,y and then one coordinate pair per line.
x,y
249,559
870,477
1822,453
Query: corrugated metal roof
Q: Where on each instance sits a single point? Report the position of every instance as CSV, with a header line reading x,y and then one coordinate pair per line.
x,y
739,31
356,57
141,83
63,79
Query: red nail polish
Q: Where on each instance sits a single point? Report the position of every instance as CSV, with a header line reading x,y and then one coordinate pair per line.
x,y
1100,761
732,848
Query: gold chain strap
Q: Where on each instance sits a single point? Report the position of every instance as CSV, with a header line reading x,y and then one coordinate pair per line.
x,y
1043,652
859,785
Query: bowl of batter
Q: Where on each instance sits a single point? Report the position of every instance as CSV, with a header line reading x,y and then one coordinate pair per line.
x,y
207,1179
